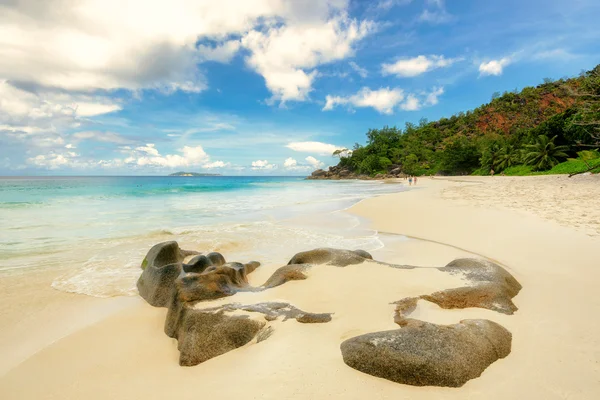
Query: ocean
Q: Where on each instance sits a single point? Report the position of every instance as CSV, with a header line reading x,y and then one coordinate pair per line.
x,y
96,230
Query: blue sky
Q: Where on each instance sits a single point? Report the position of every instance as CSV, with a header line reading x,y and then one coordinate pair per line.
x,y
250,87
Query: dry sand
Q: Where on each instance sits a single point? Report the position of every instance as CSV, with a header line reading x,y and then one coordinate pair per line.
x,y
573,202
72,350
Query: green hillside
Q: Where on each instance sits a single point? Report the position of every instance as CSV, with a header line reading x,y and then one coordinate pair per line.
x,y
536,128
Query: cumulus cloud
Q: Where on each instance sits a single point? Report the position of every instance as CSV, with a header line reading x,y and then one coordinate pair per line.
x,y
385,100
493,67
136,44
110,44
19,107
287,55
260,165
40,119
411,103
314,162
290,163
148,155
410,67
92,109
141,156
324,149
216,164
51,161
221,53
432,98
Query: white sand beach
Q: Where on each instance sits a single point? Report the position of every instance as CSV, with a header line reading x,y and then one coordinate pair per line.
x,y
543,230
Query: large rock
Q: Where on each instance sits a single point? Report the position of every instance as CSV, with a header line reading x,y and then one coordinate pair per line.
x,y
426,354
492,287
202,278
203,335
337,257
165,253
214,282
161,266
293,272
156,285
166,281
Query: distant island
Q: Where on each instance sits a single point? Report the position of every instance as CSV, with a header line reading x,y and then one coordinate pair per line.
x,y
181,173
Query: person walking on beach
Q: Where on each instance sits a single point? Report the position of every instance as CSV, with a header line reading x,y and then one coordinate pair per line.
x,y
409,180
415,180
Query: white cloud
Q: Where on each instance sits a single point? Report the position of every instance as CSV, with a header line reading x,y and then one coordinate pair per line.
x,y
385,100
109,44
494,67
221,53
262,165
148,149
148,156
362,72
216,164
139,44
411,103
320,148
432,97
40,118
287,55
416,66
191,156
93,109
56,159
314,162
52,161
290,162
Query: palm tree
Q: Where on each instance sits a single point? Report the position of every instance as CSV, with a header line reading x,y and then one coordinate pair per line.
x,y
507,157
489,158
341,153
543,154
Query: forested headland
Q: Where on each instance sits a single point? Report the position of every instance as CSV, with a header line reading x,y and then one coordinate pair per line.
x,y
551,128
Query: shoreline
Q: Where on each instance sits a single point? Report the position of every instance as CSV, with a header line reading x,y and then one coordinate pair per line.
x,y
555,321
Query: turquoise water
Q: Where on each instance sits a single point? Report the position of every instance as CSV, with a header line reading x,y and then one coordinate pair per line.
x,y
98,228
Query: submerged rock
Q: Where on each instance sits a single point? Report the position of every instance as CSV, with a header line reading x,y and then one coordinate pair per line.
x,y
426,354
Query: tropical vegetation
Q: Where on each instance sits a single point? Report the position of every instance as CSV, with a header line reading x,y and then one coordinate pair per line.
x,y
534,130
